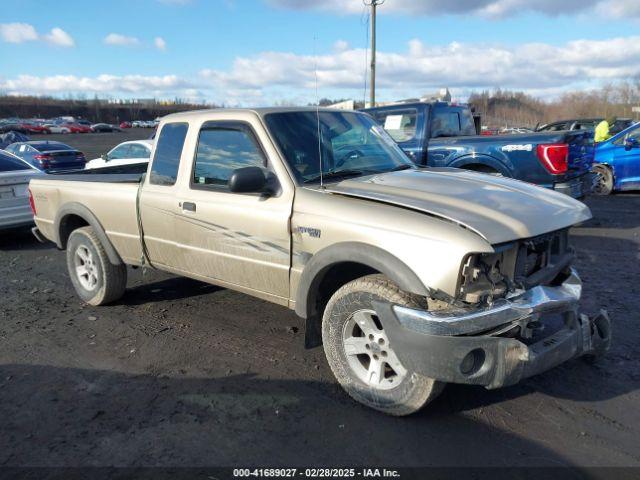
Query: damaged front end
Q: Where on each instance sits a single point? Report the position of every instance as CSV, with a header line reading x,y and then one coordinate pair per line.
x,y
514,267
516,315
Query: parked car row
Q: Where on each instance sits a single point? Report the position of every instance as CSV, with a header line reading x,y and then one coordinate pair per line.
x,y
59,126
140,124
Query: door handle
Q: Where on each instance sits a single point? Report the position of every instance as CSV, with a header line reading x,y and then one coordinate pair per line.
x,y
188,207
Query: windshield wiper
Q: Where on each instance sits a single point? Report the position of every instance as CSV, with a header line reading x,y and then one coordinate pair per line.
x,y
332,175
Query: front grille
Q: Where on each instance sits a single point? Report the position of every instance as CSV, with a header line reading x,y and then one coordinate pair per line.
x,y
539,257
520,265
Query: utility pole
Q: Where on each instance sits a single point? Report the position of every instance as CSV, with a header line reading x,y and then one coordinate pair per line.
x,y
372,91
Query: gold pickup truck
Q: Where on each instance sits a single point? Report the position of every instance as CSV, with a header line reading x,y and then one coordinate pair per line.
x,y
410,277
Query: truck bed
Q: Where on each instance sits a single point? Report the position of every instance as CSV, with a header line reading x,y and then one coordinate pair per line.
x,y
102,192
116,174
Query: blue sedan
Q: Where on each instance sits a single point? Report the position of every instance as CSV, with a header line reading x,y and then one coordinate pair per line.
x,y
617,162
49,157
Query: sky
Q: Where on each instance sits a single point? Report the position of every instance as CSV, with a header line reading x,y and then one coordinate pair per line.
x,y
266,52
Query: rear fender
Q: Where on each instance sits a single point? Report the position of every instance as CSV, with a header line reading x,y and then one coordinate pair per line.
x,y
491,162
78,210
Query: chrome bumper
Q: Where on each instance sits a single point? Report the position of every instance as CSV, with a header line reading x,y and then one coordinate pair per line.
x,y
453,348
517,307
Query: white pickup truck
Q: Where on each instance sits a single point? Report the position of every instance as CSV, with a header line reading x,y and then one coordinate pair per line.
x,y
410,277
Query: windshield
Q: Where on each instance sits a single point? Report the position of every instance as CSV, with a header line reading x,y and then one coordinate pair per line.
x,y
352,144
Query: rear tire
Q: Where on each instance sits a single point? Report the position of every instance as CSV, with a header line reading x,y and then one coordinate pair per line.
x,y
96,280
370,372
604,180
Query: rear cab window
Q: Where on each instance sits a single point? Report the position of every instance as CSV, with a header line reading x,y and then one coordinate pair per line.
x,y
166,161
447,122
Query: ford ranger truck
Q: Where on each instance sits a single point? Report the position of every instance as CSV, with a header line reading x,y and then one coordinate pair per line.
x,y
439,134
409,277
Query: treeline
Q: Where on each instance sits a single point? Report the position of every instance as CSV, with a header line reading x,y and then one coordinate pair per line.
x,y
95,110
504,108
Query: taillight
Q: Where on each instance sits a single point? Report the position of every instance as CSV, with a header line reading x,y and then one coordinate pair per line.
x,y
32,203
554,157
43,159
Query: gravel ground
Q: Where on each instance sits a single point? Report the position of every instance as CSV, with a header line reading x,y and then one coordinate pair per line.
x,y
180,373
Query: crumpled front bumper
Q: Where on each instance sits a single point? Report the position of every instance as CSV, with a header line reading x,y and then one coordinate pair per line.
x,y
466,348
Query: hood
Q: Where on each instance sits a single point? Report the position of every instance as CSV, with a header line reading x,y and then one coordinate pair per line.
x,y
496,208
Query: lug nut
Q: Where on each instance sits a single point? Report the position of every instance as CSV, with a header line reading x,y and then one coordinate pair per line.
x,y
381,341
371,336
384,354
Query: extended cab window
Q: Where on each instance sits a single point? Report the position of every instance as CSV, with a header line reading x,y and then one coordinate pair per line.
x,y
164,170
222,148
400,124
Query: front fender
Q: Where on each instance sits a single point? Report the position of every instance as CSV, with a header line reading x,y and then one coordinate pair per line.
x,y
321,263
353,252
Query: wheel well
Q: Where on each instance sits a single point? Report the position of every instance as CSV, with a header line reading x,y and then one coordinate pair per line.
x,y
326,283
68,224
479,167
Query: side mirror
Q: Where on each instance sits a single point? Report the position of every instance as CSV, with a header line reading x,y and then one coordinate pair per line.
x,y
248,180
104,157
630,143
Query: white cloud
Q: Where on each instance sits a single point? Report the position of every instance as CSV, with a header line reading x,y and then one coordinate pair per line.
x,y
104,84
160,43
341,46
269,77
59,37
424,67
485,8
18,32
120,40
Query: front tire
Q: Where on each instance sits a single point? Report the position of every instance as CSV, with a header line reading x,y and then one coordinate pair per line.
x,y
360,355
604,180
96,280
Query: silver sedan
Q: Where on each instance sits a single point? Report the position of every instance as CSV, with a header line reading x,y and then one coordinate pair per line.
x,y
15,175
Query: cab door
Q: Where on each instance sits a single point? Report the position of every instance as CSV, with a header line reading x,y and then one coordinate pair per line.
x,y
242,240
158,198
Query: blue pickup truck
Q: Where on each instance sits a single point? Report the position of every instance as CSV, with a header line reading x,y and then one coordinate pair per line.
x,y
440,134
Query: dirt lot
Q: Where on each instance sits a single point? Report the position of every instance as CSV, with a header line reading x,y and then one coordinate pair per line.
x,y
179,373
